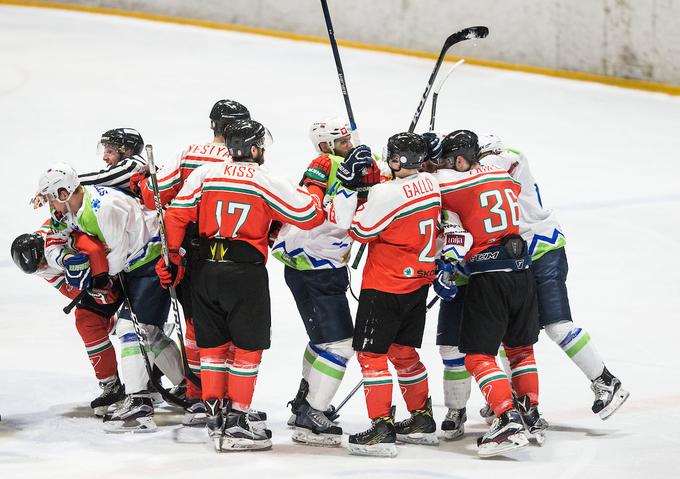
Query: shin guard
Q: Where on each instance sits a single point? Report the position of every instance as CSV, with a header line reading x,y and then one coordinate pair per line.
x,y
524,372
94,331
456,378
193,359
492,381
411,374
242,377
327,371
214,372
576,343
377,383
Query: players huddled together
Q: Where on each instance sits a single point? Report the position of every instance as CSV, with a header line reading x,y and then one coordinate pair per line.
x,y
457,212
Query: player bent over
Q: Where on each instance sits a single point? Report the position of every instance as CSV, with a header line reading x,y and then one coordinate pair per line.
x,y
171,178
500,300
234,205
94,311
399,220
130,233
540,228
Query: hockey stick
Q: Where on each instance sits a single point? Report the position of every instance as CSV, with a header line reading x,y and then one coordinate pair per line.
x,y
69,307
435,92
144,347
464,34
349,396
188,373
338,66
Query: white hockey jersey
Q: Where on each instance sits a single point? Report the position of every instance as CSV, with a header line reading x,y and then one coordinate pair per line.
x,y
538,225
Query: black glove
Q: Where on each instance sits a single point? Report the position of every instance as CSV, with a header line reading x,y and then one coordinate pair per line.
x,y
434,146
350,170
102,281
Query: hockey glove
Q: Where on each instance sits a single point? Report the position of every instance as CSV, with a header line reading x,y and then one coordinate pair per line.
x,y
273,234
103,291
443,285
77,271
172,274
351,169
136,181
434,146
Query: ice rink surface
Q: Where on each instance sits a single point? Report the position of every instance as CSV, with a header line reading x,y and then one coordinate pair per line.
x,y
607,160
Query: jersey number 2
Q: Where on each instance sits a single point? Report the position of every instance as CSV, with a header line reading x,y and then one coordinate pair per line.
x,y
232,207
426,228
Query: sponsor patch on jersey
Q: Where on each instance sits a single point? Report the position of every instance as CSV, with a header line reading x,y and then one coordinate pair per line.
x,y
408,272
455,240
95,204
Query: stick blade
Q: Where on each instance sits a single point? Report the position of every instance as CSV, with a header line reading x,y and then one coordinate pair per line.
x,y
467,34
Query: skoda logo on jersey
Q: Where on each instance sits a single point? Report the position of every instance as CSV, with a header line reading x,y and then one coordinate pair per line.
x,y
95,204
408,272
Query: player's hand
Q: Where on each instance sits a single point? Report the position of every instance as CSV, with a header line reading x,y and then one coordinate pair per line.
x,y
136,181
443,285
274,230
172,274
77,271
350,171
434,146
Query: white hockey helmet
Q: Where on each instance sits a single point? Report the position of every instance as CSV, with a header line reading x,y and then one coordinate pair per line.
x,y
490,143
328,131
59,176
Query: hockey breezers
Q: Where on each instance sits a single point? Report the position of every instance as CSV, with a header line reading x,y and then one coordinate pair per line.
x,y
144,347
465,34
188,373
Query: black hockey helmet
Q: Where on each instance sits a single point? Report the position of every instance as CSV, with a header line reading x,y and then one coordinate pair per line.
x,y
225,111
461,142
410,148
240,135
123,139
28,250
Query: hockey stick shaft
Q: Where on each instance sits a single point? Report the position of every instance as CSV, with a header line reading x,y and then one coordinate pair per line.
x,y
338,66
432,302
349,396
437,88
69,307
144,348
188,373
465,34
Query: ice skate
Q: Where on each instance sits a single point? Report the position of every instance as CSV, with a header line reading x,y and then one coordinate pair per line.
x,y
419,428
609,395
195,414
214,422
112,392
379,440
135,415
180,390
301,399
506,434
534,423
453,425
240,435
314,428
487,414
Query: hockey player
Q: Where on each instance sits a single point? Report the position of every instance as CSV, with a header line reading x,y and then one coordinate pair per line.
x,y
94,311
121,150
500,303
400,221
130,234
316,273
233,205
171,178
542,232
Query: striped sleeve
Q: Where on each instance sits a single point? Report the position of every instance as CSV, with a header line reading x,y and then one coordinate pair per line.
x,y
169,182
290,204
117,176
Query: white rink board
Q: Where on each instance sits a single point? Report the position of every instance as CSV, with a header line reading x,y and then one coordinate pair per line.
x,y
605,158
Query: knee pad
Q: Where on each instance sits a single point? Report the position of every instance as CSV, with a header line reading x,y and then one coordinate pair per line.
x,y
246,359
371,364
341,350
404,358
479,363
559,331
519,355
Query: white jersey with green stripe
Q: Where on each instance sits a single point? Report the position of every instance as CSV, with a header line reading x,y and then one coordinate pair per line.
x,y
128,231
538,225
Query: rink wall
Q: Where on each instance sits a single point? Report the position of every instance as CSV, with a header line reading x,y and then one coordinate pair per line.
x,y
630,43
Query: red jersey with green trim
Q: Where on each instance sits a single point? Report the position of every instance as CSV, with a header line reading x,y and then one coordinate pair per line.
x,y
485,199
400,221
239,201
171,176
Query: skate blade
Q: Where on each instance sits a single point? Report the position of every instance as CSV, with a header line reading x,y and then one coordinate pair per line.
x,y
243,444
453,434
305,436
194,420
537,438
375,450
140,425
516,441
100,411
422,438
619,398
291,421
